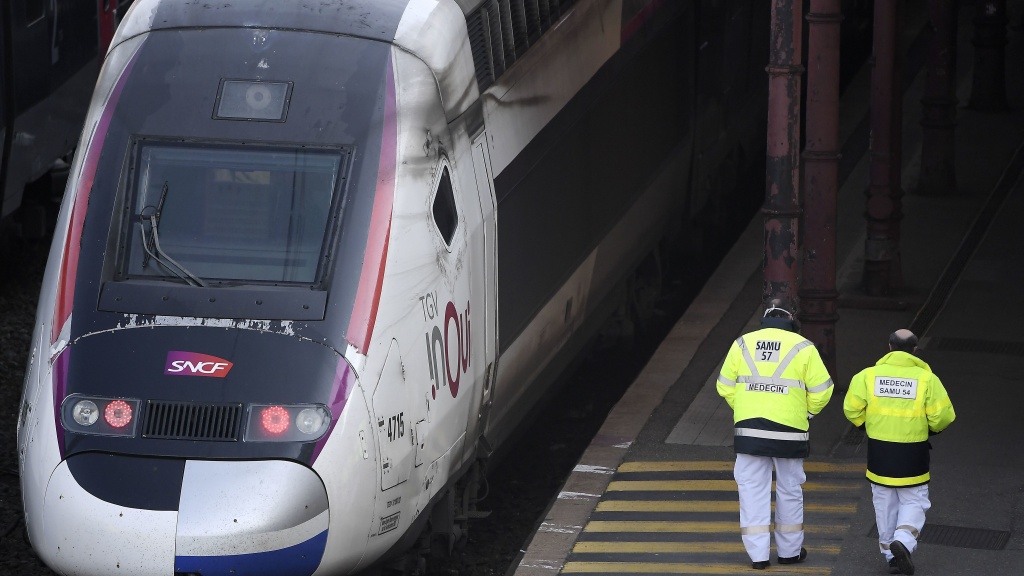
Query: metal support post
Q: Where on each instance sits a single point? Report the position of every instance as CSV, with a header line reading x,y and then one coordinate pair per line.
x,y
896,150
818,294
881,246
782,205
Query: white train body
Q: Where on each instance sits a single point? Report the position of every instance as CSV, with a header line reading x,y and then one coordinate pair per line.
x,y
307,272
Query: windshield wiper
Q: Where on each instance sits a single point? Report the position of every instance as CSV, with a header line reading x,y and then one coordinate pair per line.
x,y
151,243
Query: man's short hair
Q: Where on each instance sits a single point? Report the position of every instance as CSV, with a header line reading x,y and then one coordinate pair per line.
x,y
903,340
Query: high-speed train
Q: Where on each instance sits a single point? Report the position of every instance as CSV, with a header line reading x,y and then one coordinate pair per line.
x,y
316,261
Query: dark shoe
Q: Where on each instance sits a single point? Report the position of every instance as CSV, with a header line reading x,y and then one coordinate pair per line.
x,y
902,557
795,559
760,565
893,568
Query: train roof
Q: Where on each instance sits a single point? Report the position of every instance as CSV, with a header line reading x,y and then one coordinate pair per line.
x,y
432,30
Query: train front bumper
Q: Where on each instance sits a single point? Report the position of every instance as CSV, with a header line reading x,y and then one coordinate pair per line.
x,y
232,517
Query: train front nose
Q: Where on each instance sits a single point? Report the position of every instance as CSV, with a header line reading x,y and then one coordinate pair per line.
x,y
267,517
190,517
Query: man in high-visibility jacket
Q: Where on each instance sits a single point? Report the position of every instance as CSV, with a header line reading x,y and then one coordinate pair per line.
x,y
775,381
900,402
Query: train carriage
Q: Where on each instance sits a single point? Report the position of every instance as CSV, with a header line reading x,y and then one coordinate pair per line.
x,y
317,261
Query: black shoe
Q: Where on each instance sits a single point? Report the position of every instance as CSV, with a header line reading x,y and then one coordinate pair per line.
x,y
902,557
795,559
760,565
893,568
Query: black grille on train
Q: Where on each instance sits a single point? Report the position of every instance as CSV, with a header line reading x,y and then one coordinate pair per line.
x,y
500,31
192,421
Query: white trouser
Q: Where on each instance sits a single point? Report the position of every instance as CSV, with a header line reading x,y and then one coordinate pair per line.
x,y
899,515
754,479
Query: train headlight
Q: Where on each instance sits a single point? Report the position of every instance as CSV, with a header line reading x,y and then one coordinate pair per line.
x,y
311,420
81,413
85,412
286,422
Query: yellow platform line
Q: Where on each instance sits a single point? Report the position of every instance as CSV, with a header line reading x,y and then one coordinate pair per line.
x,y
706,466
680,548
716,466
657,526
714,485
707,506
684,568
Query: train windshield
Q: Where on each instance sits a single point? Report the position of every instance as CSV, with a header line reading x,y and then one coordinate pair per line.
x,y
207,214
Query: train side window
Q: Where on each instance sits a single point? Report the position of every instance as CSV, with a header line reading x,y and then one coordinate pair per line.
x,y
445,216
35,10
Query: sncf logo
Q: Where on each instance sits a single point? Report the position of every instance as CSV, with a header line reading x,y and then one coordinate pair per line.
x,y
195,364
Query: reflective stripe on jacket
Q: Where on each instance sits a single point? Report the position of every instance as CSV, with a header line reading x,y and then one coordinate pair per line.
x,y
772,379
899,401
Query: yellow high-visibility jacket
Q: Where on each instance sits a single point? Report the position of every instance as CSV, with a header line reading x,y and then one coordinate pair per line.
x,y
899,401
773,379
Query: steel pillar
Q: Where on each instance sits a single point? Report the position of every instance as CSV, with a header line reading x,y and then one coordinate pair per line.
x,y
818,293
988,90
896,149
782,204
884,205
938,122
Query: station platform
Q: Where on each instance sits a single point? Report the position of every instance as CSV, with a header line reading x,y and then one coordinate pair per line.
x,y
654,491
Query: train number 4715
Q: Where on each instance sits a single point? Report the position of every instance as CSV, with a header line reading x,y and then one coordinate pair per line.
x,y
396,427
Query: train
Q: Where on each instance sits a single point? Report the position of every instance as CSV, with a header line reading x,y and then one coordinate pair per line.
x,y
318,262
50,55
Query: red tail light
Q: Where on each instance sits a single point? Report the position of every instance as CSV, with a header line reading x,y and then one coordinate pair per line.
x,y
275,420
118,414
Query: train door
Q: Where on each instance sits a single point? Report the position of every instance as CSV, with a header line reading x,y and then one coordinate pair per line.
x,y
488,208
454,311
